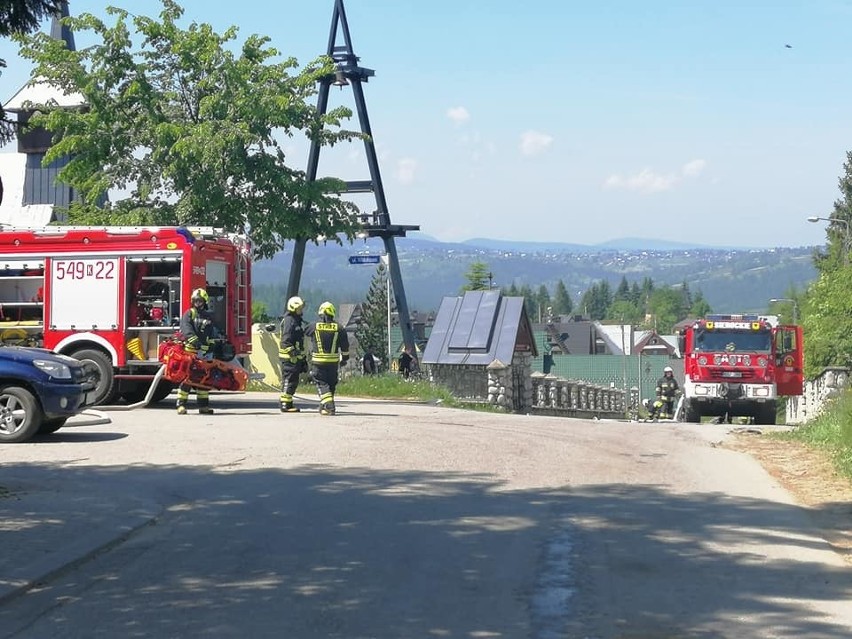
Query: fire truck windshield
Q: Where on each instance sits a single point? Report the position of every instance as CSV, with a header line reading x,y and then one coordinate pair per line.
x,y
733,341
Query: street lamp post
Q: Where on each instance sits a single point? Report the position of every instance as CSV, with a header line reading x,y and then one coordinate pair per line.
x,y
837,220
790,301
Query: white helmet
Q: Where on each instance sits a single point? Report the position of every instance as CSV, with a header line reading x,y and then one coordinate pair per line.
x,y
295,304
668,369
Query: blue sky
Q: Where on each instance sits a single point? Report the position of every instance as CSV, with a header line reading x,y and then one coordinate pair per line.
x,y
580,121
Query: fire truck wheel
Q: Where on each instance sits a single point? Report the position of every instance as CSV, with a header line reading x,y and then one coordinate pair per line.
x,y
766,415
20,414
690,413
138,392
104,392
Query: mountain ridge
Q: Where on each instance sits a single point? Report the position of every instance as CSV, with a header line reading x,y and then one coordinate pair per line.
x,y
731,279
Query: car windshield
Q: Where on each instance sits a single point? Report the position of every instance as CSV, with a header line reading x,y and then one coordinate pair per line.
x,y
733,341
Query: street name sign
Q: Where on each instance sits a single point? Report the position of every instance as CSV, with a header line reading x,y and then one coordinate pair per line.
x,y
365,259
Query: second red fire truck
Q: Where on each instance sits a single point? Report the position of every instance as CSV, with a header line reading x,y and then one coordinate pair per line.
x,y
111,295
739,365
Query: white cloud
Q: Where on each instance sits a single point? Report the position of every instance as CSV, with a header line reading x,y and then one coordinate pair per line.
x,y
534,142
405,169
458,114
649,181
693,168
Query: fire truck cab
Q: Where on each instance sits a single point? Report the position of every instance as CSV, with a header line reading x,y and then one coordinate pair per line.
x,y
739,365
110,295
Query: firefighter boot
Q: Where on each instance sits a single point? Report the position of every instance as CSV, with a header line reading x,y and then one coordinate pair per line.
x,y
181,408
289,407
327,408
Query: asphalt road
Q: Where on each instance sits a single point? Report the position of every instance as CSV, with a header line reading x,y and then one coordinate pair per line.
x,y
404,520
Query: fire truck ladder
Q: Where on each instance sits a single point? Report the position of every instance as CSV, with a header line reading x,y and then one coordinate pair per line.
x,y
243,310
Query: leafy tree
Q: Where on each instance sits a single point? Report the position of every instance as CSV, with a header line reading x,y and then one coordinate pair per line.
x,y
827,334
836,255
625,312
19,17
562,304
189,129
259,313
372,331
666,307
478,277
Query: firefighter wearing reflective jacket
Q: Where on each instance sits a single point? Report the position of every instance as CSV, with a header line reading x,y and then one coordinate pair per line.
x,y
667,388
329,349
291,352
196,328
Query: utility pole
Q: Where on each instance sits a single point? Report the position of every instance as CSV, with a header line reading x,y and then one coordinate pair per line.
x,y
378,224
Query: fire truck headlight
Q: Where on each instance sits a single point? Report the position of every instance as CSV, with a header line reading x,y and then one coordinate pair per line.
x,y
762,362
746,360
701,390
54,369
717,359
761,391
702,361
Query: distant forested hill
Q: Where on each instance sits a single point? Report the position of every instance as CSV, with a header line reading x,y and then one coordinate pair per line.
x,y
731,280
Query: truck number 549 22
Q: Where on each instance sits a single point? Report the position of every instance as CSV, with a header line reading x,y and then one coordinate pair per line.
x,y
81,270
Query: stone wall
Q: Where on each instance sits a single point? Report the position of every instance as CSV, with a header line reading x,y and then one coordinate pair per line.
x,y
815,394
505,386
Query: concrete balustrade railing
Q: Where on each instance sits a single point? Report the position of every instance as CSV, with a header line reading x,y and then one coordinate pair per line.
x,y
574,398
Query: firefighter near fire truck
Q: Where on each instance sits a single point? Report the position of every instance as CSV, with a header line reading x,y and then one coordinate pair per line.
x,y
329,351
112,296
739,366
667,389
291,352
196,334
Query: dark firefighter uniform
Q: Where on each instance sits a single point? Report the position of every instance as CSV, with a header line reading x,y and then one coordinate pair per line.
x,y
291,352
667,387
196,329
329,349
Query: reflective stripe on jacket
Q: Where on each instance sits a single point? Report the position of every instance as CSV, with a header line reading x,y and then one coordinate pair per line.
x,y
329,342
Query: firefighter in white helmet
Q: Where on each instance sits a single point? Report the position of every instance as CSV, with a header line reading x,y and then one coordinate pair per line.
x,y
667,388
291,352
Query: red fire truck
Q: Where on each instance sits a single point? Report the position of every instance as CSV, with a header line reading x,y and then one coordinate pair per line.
x,y
111,295
739,365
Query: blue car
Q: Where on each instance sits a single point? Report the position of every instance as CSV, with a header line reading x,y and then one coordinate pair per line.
x,y
39,391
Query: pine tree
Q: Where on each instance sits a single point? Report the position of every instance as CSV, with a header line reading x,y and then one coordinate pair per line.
x,y
478,277
372,331
562,304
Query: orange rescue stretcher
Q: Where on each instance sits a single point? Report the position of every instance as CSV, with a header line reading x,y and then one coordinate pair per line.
x,y
182,366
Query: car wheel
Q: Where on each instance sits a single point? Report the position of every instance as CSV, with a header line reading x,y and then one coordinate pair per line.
x,y
20,414
105,387
51,425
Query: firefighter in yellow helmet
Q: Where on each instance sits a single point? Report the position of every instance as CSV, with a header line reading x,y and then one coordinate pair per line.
x,y
196,328
291,352
329,350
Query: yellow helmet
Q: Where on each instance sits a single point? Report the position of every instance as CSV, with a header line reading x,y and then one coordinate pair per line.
x,y
295,304
327,308
199,294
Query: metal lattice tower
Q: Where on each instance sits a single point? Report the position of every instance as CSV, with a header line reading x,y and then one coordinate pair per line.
x,y
378,224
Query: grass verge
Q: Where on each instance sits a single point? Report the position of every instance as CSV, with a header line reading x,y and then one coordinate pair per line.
x,y
832,432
